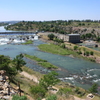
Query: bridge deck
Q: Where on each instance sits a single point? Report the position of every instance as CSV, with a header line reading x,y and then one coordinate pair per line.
x,y
17,33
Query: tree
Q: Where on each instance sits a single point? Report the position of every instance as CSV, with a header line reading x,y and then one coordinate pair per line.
x,y
51,36
5,64
49,80
94,88
19,62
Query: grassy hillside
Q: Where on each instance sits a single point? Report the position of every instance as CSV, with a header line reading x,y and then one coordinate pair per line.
x,y
63,27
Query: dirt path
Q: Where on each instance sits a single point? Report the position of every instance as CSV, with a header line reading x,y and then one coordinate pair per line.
x,y
31,77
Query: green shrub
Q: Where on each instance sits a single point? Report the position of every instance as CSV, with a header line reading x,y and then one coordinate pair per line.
x,y
94,88
38,91
51,97
79,52
91,53
64,91
51,36
63,45
91,59
77,89
87,53
75,47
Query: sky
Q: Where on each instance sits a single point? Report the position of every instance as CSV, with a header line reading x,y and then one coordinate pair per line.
x,y
46,10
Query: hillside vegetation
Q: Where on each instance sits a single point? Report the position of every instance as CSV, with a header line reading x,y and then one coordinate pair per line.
x,y
59,26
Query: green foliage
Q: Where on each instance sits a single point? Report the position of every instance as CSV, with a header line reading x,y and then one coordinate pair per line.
x,y
28,42
75,47
51,97
58,40
91,53
18,62
16,97
87,53
47,65
5,64
49,80
98,39
77,89
79,92
38,91
35,58
51,36
79,52
57,26
65,91
91,59
63,46
94,88
4,61
55,49
42,62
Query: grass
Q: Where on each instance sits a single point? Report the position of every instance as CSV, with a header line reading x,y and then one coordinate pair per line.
x,y
55,49
32,72
42,62
28,42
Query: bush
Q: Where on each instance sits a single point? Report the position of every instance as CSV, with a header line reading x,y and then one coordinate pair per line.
x,y
63,45
87,53
77,89
64,91
91,53
38,91
51,36
51,97
79,52
94,88
75,47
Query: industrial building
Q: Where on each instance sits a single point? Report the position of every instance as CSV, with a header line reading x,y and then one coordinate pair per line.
x,y
73,38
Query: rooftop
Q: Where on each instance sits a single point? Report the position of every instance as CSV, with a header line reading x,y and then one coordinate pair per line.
x,y
73,34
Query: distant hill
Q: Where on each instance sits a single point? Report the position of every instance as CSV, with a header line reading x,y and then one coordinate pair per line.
x,y
89,27
2,23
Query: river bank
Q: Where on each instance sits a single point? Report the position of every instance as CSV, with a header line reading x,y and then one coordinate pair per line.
x,y
82,49
34,77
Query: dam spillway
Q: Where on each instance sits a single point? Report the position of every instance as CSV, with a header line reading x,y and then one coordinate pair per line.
x,y
19,32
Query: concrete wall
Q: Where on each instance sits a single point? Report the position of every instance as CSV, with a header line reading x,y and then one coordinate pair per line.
x,y
74,38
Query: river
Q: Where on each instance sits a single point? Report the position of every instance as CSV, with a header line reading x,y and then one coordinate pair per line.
x,y
77,71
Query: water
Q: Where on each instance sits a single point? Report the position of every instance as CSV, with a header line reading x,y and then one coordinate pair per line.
x,y
3,30
77,71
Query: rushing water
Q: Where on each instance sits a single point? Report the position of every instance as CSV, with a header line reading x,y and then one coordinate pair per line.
x,y
77,71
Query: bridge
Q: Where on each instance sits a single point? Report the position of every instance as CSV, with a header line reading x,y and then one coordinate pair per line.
x,y
13,33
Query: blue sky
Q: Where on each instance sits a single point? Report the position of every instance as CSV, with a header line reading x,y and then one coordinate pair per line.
x,y
42,10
